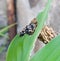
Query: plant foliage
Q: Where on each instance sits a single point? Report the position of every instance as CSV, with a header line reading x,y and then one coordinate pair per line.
x,y
51,52
2,33
20,47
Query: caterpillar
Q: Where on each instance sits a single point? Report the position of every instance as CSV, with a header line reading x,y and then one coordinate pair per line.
x,y
47,33
29,29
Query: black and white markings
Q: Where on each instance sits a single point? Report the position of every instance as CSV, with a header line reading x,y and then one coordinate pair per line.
x,y
29,29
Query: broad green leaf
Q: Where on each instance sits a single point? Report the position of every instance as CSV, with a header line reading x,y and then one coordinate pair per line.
x,y
20,47
51,52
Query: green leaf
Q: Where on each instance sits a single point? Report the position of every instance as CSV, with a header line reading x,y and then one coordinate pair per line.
x,y
3,35
2,31
6,28
20,47
51,52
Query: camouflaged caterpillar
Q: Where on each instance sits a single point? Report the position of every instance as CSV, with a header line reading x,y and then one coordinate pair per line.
x,y
29,29
46,34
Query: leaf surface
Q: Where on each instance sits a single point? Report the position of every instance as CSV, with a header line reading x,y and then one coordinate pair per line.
x,y
20,47
51,52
